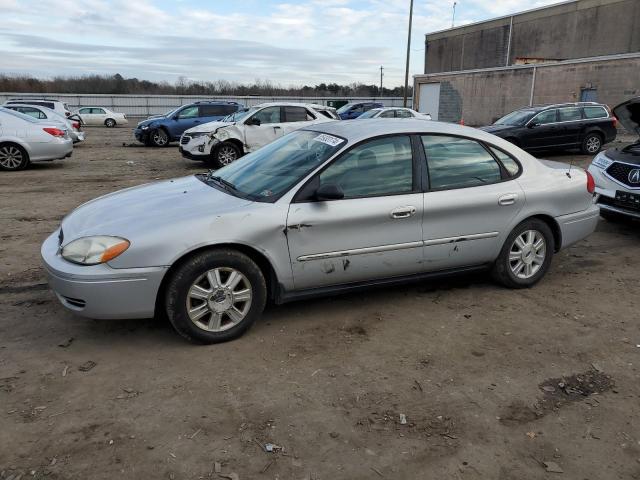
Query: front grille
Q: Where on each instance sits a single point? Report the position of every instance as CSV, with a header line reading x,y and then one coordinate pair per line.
x,y
620,173
75,302
185,139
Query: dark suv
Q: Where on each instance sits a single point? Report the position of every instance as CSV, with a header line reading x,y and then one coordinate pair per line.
x,y
160,130
354,110
585,125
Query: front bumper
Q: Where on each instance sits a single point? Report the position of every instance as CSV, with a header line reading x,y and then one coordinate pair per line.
x,y
606,189
577,226
141,135
197,148
99,291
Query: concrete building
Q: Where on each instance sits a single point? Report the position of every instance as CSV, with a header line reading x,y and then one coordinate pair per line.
x,y
572,51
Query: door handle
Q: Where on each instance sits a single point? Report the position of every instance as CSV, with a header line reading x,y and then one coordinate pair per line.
x,y
403,212
508,199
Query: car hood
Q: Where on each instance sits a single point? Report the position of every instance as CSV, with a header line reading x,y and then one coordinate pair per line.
x,y
147,209
208,127
628,114
150,120
495,128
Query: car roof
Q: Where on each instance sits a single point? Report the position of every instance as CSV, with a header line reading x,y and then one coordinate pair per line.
x,y
294,104
541,107
357,130
391,108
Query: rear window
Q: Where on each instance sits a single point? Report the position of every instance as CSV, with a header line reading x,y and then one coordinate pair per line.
x,y
297,114
213,110
595,112
19,115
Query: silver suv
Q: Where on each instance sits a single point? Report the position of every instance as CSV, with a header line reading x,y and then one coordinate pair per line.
x,y
617,171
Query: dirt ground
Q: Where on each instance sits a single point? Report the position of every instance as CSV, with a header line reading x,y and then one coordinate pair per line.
x,y
493,383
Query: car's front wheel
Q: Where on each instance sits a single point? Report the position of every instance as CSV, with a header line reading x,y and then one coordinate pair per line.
x,y
109,123
591,144
526,255
13,157
215,296
225,153
159,137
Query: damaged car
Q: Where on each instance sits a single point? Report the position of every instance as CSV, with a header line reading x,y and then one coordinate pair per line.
x,y
245,131
329,208
617,170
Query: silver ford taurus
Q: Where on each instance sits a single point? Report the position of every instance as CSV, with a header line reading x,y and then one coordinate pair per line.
x,y
329,208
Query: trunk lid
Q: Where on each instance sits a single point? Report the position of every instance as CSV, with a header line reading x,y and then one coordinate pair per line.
x,y
628,114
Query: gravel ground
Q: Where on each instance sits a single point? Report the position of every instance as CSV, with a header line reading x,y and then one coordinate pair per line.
x,y
493,383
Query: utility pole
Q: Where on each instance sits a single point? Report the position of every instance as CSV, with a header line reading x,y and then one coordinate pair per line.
x,y
453,17
381,68
406,72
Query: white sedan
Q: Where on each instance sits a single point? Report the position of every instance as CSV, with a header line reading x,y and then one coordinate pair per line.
x,y
394,112
101,116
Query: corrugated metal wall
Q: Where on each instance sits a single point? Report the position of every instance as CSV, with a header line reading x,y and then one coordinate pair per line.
x,y
145,105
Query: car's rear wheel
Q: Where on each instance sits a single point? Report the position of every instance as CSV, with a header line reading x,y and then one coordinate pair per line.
x,y
159,137
215,296
225,154
13,157
591,144
526,255
109,123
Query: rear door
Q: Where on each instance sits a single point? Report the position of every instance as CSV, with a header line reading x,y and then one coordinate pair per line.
x,y
99,116
472,199
86,116
374,232
270,127
210,113
571,123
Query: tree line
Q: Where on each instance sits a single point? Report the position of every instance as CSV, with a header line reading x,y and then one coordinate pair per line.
x,y
118,85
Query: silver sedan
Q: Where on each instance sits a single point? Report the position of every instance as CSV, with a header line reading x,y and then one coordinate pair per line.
x,y
326,209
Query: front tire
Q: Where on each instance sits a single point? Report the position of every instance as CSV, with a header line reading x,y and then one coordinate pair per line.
x,y
109,123
591,144
159,137
215,296
525,256
13,157
225,154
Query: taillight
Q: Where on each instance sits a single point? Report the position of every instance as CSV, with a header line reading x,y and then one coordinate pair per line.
x,y
591,184
615,121
56,132
76,125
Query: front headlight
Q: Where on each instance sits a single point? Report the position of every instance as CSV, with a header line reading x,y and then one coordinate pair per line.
x,y
94,250
601,161
197,134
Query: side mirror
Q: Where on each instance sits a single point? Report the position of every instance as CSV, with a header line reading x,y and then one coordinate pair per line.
x,y
254,121
329,191
176,117
533,125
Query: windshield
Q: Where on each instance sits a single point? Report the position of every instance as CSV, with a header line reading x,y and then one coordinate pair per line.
x,y
345,108
519,117
370,114
273,169
239,115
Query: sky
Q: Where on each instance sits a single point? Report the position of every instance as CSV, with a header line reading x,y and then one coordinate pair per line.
x,y
288,43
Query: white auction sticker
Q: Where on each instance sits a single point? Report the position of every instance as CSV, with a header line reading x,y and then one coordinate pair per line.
x,y
329,139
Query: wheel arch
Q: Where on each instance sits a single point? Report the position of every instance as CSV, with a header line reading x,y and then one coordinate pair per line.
x,y
236,141
17,142
110,118
554,226
254,254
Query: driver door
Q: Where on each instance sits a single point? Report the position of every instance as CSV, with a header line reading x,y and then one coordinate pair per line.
x,y
263,127
374,232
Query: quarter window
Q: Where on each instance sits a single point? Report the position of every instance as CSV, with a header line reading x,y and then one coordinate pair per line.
x,y
459,162
378,167
388,114
507,161
268,115
543,118
595,112
569,114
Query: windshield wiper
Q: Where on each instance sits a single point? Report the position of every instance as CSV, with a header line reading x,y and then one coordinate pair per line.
x,y
221,181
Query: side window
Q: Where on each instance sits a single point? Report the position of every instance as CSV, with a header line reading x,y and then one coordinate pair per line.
x,y
595,112
569,114
189,112
548,116
268,115
327,114
358,108
388,114
85,111
509,163
295,114
229,109
404,114
377,167
212,110
459,162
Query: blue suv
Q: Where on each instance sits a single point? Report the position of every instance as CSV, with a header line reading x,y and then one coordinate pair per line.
x,y
159,131
354,110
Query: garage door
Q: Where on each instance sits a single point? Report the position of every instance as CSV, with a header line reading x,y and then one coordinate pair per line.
x,y
429,99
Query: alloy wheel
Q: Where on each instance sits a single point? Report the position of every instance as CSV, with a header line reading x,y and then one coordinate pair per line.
x,y
219,299
10,157
593,144
227,154
160,138
527,254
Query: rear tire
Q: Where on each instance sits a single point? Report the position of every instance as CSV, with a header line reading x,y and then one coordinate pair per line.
x,y
159,137
109,123
13,157
225,154
215,296
525,256
591,144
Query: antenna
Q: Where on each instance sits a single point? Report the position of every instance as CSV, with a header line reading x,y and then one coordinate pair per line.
x,y
453,17
570,165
